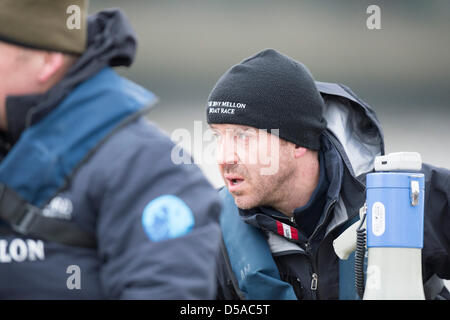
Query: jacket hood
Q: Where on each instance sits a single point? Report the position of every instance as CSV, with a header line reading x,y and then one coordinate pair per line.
x,y
354,124
355,132
111,42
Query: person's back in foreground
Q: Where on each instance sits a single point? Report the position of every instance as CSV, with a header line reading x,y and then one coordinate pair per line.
x,y
92,206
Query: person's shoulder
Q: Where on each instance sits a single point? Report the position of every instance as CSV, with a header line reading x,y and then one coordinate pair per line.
x,y
436,175
429,168
139,149
137,139
140,133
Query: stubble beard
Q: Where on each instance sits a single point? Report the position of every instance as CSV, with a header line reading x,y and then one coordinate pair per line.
x,y
264,190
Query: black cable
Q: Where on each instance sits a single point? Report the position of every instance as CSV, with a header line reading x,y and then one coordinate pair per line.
x,y
359,258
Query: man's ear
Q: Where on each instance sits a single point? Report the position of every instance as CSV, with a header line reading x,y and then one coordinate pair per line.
x,y
299,151
53,63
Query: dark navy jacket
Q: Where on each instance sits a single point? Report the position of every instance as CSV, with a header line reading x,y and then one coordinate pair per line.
x,y
352,140
117,193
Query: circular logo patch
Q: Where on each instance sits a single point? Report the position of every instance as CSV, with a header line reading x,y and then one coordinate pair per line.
x,y
167,217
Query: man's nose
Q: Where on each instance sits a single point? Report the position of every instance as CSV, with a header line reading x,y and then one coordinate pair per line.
x,y
226,153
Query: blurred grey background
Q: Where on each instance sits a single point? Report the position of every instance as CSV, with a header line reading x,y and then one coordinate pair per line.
x,y
402,70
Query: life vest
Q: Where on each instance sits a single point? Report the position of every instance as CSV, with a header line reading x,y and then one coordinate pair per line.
x,y
250,256
48,153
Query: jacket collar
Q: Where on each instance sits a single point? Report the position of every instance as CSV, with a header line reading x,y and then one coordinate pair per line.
x,y
111,42
269,219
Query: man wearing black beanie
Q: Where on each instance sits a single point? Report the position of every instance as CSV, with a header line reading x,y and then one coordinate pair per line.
x,y
277,92
318,140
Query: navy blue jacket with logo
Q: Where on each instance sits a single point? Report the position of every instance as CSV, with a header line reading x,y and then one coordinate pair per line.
x,y
87,155
257,261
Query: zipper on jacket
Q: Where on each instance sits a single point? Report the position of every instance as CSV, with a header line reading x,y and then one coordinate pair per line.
x,y
307,245
292,220
314,275
314,258
314,280
327,212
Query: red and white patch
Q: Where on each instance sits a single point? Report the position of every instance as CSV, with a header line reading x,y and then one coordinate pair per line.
x,y
287,231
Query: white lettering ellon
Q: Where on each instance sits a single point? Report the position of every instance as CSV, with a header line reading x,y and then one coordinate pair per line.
x,y
19,250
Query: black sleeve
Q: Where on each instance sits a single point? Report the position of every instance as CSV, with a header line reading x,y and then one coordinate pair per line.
x,y
436,250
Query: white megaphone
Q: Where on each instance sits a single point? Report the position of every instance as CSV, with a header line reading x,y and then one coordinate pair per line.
x,y
394,211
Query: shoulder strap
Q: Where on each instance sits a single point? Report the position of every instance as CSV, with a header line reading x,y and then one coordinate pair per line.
x,y
28,220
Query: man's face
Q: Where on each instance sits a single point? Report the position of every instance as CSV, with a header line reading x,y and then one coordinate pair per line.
x,y
253,163
17,72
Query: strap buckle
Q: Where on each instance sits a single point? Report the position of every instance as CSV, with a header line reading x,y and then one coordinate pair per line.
x,y
25,221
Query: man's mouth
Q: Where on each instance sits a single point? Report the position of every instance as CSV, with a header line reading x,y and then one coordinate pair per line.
x,y
234,182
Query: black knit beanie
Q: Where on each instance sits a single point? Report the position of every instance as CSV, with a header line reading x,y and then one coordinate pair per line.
x,y
270,91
